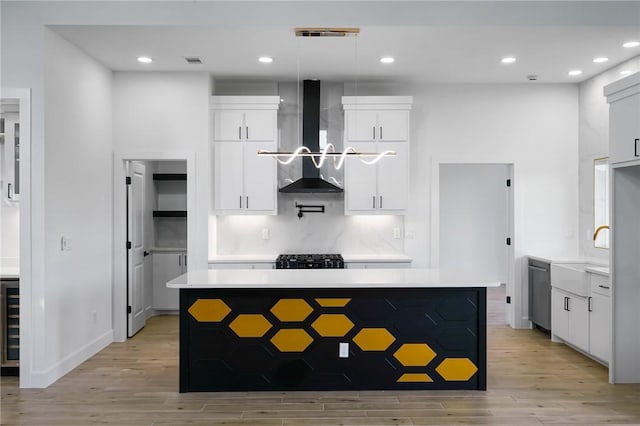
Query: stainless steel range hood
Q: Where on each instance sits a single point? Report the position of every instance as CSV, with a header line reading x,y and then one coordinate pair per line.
x,y
311,182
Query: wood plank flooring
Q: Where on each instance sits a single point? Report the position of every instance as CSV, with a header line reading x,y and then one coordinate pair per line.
x,y
531,381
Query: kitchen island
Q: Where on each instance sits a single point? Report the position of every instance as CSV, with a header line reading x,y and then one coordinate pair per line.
x,y
331,329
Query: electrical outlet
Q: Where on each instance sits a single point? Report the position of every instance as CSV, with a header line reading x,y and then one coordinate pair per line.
x,y
265,233
396,233
65,243
343,351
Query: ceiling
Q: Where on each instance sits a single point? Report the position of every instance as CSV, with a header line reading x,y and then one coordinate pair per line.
x,y
425,53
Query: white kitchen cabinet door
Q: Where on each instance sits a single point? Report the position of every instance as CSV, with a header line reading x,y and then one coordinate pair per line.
x,y
624,125
362,126
259,125
600,327
559,314
167,266
393,177
228,185
360,182
393,125
579,322
260,189
229,125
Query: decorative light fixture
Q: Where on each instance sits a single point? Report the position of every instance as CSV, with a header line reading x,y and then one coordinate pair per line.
x,y
328,151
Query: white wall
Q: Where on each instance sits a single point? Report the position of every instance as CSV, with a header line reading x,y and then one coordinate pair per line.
x,y
594,143
75,321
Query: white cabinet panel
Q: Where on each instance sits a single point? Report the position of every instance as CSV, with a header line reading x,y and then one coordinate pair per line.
x,y
228,125
361,126
624,125
228,158
559,314
579,322
361,193
393,125
259,175
260,125
600,327
167,266
393,177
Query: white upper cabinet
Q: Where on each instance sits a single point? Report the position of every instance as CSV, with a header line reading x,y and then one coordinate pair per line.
x,y
624,119
375,124
244,183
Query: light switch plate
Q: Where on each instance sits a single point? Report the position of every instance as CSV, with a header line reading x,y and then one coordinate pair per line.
x,y
343,351
265,233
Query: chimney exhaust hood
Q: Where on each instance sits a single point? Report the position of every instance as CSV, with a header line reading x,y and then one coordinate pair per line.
x,y
311,181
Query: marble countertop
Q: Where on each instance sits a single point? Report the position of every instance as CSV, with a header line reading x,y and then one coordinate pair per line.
x,y
328,278
271,258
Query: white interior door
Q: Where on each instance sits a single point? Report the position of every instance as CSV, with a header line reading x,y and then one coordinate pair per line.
x,y
474,219
135,255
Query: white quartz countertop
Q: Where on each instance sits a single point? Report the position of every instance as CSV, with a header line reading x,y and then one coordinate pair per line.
x,y
328,278
348,258
568,259
600,270
9,272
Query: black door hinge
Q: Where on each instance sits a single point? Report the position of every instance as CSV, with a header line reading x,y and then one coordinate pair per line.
x,y
128,309
508,241
128,245
508,182
509,299
128,180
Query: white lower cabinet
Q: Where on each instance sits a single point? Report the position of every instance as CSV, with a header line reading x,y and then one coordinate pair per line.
x,y
167,266
570,318
600,327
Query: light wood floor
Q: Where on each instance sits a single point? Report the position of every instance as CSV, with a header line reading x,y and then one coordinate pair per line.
x,y
530,381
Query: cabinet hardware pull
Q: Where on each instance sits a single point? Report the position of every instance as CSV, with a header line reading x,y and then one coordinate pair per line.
x,y
568,307
247,132
374,201
247,203
374,132
606,287
239,132
589,304
635,148
241,201
380,132
9,191
537,268
381,201
185,259
180,260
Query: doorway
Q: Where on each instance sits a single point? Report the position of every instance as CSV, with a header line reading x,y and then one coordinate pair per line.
x,y
152,201
476,221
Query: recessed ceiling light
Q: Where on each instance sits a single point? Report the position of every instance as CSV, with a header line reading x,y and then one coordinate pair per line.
x,y
508,60
387,60
600,60
631,44
575,72
144,59
265,59
626,72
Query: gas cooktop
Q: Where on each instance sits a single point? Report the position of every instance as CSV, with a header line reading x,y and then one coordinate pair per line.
x,y
310,261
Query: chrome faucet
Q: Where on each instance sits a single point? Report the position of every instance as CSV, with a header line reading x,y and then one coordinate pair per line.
x,y
598,229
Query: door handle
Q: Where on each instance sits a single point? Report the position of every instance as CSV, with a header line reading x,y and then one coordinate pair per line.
x,y
568,308
247,132
374,201
180,260
9,191
185,260
380,132
589,304
635,148
241,201
606,287
239,132
374,132
247,203
381,201
537,268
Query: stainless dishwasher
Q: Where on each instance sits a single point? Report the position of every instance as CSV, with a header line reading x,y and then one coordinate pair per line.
x,y
540,294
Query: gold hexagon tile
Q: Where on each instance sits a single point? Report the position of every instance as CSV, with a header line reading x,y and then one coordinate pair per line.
x,y
456,369
209,310
250,325
291,340
332,325
415,378
333,303
374,339
415,354
291,310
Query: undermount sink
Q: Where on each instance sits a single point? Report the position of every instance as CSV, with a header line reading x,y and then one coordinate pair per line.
x,y
572,277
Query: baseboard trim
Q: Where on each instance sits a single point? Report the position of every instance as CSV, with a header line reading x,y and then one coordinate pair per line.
x,y
43,379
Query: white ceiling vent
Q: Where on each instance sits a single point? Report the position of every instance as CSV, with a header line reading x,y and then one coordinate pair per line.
x,y
193,60
326,32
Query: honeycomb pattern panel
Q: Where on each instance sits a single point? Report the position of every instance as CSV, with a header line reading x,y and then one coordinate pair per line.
x,y
415,354
209,310
291,310
291,340
456,369
451,309
415,378
250,325
332,325
373,339
332,302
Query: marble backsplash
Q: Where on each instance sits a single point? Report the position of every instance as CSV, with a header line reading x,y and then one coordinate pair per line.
x,y
329,232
